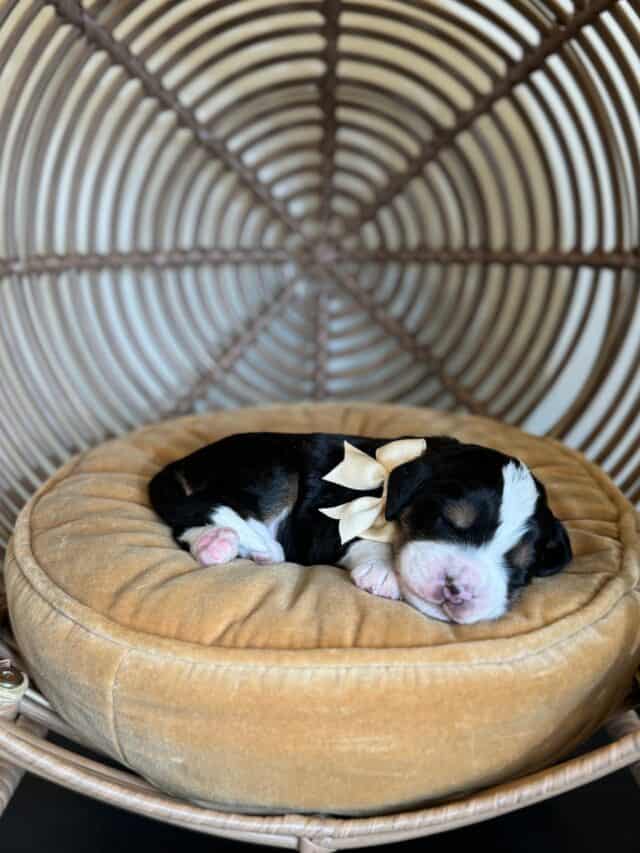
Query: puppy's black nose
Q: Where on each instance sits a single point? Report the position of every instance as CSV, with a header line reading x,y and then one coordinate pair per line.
x,y
453,589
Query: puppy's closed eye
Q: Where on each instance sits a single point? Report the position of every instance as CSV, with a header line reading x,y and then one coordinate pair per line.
x,y
461,513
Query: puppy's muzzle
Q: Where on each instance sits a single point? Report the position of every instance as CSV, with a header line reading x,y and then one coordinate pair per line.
x,y
446,582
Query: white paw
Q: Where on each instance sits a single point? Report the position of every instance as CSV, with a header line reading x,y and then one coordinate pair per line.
x,y
216,545
376,577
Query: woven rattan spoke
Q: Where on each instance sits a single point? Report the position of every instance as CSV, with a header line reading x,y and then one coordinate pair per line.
x,y
550,258
515,75
321,329
171,259
184,258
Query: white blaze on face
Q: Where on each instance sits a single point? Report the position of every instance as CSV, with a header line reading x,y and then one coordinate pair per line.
x,y
467,583
519,496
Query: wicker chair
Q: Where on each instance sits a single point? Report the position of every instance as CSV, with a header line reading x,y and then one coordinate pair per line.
x,y
215,203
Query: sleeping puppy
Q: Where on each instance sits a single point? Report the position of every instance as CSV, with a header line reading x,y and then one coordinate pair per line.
x,y
471,526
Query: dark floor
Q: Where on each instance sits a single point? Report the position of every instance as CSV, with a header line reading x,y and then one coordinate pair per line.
x,y
599,818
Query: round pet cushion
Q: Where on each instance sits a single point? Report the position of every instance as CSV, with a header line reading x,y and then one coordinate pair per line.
x,y
286,688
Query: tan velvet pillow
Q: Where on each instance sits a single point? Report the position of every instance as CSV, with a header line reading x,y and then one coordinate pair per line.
x,y
285,688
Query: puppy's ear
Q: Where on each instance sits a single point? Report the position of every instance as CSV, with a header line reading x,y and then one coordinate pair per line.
x,y
553,549
404,482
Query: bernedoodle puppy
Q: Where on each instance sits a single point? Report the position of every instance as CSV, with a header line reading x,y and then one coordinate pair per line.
x,y
454,529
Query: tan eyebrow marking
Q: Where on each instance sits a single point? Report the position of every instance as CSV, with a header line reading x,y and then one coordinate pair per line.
x,y
461,513
184,483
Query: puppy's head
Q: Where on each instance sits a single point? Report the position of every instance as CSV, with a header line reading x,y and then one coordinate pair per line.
x,y
475,527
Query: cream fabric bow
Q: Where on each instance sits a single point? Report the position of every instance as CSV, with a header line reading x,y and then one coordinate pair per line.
x,y
365,517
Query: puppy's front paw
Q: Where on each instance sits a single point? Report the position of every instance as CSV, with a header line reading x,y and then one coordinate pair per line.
x,y
215,546
376,577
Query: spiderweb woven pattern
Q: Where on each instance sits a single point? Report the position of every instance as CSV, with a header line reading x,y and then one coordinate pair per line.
x,y
221,203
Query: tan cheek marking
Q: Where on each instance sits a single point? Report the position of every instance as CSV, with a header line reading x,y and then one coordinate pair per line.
x,y
523,555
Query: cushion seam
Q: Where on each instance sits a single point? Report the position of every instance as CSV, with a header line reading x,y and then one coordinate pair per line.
x,y
117,742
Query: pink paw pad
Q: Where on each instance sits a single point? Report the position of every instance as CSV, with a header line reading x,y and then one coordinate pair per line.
x,y
215,546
